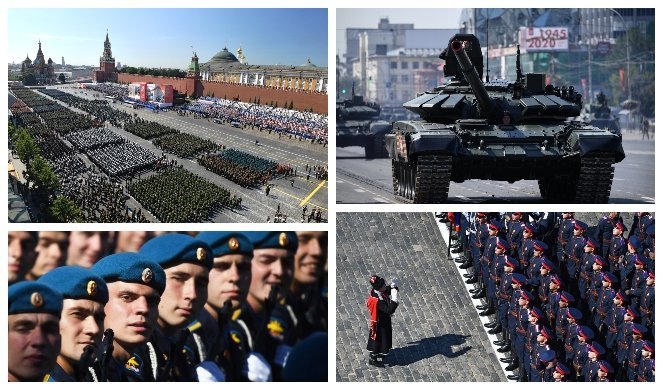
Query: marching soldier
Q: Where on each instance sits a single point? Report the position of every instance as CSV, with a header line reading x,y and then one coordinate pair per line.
x,y
33,335
81,323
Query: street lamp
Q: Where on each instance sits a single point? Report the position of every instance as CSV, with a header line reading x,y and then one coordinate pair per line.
x,y
628,52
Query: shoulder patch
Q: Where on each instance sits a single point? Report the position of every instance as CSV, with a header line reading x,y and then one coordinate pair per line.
x,y
195,325
134,365
236,314
235,337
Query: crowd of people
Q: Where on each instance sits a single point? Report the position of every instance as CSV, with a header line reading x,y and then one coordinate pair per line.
x,y
185,145
573,300
122,159
240,167
177,195
93,138
135,306
288,122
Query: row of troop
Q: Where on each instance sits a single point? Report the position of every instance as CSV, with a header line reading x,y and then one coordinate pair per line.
x,y
217,306
571,302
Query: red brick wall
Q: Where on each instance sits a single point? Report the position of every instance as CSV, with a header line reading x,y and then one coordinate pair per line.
x,y
301,101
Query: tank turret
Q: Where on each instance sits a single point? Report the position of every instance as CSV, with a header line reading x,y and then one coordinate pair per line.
x,y
358,124
499,130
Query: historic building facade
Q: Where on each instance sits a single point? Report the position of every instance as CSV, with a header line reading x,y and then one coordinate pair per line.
x,y
225,67
107,71
41,69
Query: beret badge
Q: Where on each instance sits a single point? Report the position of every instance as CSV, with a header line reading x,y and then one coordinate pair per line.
x,y
200,254
283,239
233,244
91,288
36,299
147,275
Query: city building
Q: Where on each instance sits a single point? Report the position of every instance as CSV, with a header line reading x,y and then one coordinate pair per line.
x,y
41,69
107,71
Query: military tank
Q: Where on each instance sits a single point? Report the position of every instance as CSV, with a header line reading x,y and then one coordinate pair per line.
x,y
599,114
358,124
499,130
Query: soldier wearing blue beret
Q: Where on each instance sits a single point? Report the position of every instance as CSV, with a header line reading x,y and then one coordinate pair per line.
x,y
81,324
272,269
135,285
222,323
33,315
186,262
308,290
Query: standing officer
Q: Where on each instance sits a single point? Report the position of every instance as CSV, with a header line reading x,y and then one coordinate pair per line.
x,y
382,302
614,318
526,249
564,234
646,368
575,249
514,234
617,249
81,323
624,338
647,302
571,335
591,368
135,285
635,351
33,335
604,232
581,351
641,222
186,262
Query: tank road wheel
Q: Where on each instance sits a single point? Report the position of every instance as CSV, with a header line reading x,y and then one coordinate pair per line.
x,y
558,189
424,180
595,178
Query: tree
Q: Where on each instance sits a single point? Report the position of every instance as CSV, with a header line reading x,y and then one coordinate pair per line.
x,y
29,79
25,146
61,78
64,210
43,176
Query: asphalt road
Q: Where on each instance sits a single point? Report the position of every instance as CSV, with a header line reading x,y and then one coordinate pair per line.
x,y
256,206
437,334
359,180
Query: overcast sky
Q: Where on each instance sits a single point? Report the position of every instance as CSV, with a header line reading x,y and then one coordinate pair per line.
x,y
370,17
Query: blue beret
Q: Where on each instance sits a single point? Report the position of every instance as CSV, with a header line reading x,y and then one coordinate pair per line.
x,y
547,355
575,313
175,248
580,224
226,243
273,240
300,367
540,245
130,267
633,240
33,297
75,282
520,278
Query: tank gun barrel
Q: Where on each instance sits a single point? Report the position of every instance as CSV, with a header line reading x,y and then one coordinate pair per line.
x,y
472,77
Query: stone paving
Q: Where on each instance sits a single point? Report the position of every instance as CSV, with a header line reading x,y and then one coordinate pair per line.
x,y
437,333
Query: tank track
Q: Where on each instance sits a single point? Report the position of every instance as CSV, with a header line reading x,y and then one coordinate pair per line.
x,y
595,177
424,180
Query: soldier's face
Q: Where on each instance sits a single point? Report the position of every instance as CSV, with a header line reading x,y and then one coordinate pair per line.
x,y
21,255
527,234
577,232
51,248
132,311
81,325
310,256
86,248
616,232
269,267
229,279
613,214
33,344
499,251
185,294
129,241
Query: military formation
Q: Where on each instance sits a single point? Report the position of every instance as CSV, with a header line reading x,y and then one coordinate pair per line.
x,y
240,167
132,306
571,300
